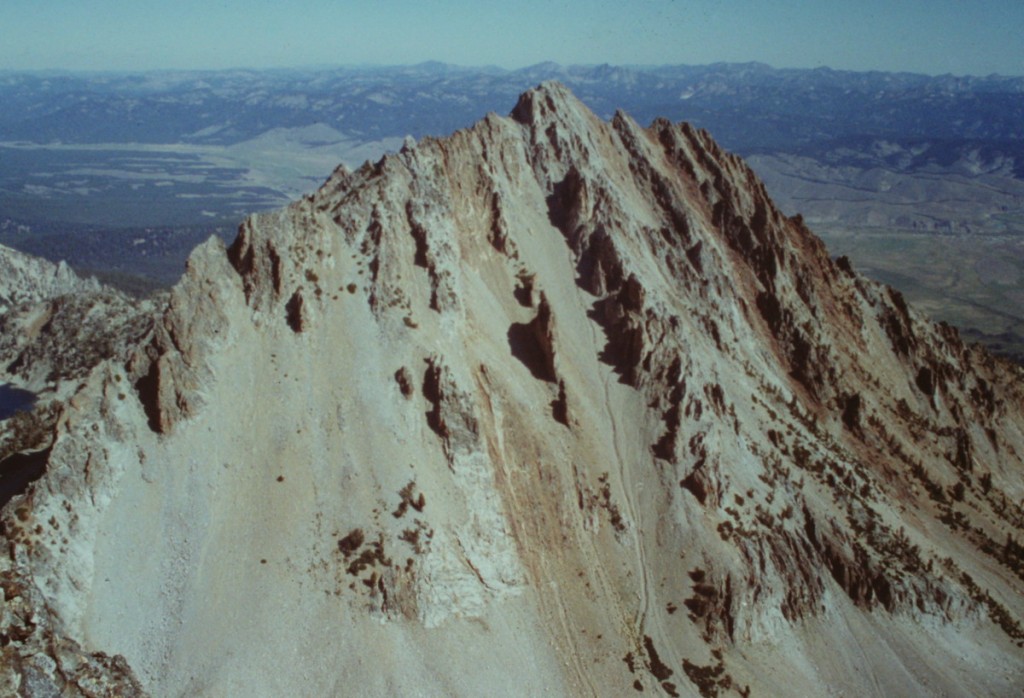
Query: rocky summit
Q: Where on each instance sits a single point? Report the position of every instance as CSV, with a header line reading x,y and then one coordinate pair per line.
x,y
551,406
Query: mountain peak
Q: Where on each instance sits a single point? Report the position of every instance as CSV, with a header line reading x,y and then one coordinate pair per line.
x,y
550,381
545,101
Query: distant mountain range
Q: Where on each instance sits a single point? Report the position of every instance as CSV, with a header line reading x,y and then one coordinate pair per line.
x,y
748,107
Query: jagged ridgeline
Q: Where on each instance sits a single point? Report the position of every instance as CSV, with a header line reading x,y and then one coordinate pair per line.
x,y
552,406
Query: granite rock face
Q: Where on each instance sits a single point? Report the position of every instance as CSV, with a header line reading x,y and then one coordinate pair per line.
x,y
550,406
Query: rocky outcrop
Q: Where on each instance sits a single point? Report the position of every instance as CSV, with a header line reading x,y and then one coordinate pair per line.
x,y
37,660
169,368
550,382
25,279
55,327
63,338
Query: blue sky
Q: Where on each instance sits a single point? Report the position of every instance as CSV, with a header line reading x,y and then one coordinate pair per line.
x,y
936,36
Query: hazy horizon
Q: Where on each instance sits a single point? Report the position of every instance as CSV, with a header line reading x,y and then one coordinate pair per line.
x,y
931,38
312,67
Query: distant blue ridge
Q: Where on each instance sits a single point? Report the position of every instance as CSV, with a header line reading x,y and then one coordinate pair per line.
x,y
13,400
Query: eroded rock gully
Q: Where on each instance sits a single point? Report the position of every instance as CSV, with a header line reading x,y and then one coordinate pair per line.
x,y
547,383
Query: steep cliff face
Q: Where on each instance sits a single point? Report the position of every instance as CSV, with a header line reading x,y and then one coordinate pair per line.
x,y
552,405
